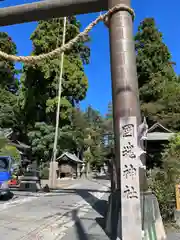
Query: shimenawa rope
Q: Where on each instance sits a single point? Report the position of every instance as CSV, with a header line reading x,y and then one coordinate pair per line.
x,y
67,46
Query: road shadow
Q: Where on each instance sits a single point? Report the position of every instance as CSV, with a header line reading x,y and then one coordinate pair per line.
x,y
97,204
80,231
102,222
102,207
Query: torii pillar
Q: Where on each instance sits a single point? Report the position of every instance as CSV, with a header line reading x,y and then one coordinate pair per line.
x,y
124,204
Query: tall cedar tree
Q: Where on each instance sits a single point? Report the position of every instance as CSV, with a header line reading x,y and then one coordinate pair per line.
x,y
8,80
40,89
40,83
8,84
158,83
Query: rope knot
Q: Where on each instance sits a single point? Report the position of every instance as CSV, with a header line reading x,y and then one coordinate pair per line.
x,y
115,9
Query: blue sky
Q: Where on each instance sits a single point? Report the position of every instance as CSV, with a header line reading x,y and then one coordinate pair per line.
x,y
98,71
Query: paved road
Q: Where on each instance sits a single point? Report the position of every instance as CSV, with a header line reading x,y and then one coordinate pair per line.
x,y
73,213
56,215
173,236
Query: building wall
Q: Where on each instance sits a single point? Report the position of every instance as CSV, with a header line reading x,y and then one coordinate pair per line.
x,y
67,169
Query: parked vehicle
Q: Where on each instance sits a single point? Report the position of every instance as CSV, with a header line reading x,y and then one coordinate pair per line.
x,y
6,170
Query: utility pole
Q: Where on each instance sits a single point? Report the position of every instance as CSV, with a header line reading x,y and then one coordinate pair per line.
x,y
53,164
126,115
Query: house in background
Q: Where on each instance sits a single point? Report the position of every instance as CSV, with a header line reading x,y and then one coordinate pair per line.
x,y
68,165
157,138
23,149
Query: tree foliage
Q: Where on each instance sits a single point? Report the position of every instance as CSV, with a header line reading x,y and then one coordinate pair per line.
x,y
158,82
167,175
8,71
40,83
39,90
8,84
12,151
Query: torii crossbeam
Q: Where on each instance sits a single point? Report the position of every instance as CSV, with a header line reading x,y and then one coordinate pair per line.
x,y
44,10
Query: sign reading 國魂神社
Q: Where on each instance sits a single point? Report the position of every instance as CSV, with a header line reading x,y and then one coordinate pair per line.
x,y
130,187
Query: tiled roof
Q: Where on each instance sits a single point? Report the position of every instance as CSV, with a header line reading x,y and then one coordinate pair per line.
x,y
159,133
71,156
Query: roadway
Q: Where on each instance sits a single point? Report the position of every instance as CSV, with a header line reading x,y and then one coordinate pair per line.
x,y
73,212
76,212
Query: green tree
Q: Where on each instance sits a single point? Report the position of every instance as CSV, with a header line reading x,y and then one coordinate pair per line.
x,y
8,80
109,115
76,138
80,131
108,133
93,117
8,108
168,175
40,83
86,131
38,95
153,60
3,141
9,85
41,138
157,80
95,152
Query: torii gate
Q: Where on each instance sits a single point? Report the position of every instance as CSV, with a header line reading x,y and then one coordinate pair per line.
x,y
126,108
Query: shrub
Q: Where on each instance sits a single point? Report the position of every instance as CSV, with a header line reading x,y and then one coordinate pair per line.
x,y
163,181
